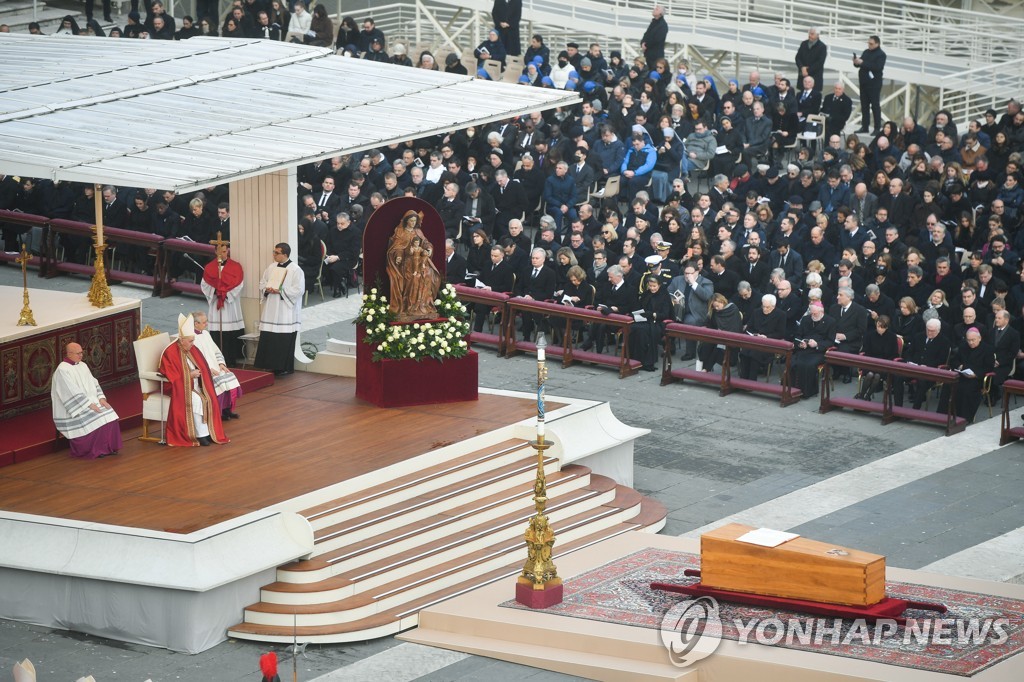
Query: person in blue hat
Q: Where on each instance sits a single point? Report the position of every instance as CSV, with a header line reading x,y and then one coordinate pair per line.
x,y
492,48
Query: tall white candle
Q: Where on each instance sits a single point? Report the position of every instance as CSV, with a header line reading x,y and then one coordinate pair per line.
x,y
540,354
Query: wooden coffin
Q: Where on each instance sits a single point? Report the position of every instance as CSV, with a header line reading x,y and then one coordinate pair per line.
x,y
796,569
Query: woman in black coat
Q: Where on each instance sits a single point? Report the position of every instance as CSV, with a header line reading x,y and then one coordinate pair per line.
x,y
645,337
479,257
883,345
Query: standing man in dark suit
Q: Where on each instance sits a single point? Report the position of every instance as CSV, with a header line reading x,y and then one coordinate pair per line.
x,y
851,322
653,41
509,202
506,15
810,59
539,285
871,64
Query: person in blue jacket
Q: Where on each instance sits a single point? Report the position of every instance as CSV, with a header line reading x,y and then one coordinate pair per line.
x,y
638,163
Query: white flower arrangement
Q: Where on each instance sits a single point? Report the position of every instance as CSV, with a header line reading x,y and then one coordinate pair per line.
x,y
439,340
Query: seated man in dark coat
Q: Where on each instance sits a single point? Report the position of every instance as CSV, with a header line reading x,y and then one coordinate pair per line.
x,y
974,360
499,277
851,320
930,349
815,334
768,322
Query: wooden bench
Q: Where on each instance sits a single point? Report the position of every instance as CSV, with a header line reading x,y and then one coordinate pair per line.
x,y
569,314
726,382
495,299
114,237
1008,432
890,369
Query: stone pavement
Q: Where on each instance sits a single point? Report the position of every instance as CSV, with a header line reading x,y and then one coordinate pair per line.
x,y
949,505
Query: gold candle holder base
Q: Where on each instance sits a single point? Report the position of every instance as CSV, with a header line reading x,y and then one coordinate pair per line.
x,y
99,291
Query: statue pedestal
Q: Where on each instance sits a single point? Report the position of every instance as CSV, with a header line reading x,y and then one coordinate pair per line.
x,y
401,383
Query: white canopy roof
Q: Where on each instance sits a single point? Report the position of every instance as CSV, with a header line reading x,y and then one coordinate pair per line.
x,y
184,115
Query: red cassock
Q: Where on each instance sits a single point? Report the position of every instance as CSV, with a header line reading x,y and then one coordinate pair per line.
x,y
181,430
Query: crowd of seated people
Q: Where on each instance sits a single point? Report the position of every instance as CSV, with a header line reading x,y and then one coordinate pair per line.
x,y
920,221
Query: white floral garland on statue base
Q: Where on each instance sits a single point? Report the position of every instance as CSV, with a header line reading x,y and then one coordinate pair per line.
x,y
440,340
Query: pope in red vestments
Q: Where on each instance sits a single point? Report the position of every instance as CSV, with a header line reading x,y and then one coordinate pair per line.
x,y
194,415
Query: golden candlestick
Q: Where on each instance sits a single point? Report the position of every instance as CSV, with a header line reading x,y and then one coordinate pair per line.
x,y
99,291
539,585
25,319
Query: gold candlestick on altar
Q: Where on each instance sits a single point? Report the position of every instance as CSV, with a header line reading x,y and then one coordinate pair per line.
x,y
25,319
539,585
99,291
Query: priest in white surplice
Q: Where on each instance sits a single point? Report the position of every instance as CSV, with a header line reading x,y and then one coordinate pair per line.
x,y
281,290
80,410
222,285
225,383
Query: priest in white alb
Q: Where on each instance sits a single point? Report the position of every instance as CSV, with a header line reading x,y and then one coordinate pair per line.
x,y
222,285
80,410
225,383
281,290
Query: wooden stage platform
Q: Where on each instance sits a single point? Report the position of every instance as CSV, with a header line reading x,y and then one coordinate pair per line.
x,y
304,433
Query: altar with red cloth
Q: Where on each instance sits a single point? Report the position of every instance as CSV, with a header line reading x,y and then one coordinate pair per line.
x,y
29,355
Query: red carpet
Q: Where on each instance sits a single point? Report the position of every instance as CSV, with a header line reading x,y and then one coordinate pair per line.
x,y
620,592
30,435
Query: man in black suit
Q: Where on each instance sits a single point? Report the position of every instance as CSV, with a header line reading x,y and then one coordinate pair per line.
x,y
327,199
115,212
499,277
810,58
451,209
618,298
851,322
455,265
929,349
539,285
724,279
787,260
509,202
1006,342
755,270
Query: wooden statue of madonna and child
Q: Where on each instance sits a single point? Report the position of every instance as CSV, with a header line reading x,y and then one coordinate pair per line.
x,y
404,265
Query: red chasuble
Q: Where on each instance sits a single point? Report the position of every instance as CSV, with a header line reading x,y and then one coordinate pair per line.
x,y
229,277
181,430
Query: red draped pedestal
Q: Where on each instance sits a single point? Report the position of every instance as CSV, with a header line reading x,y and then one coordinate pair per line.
x,y
401,383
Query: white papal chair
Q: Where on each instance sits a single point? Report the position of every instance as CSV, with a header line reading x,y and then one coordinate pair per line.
x,y
154,403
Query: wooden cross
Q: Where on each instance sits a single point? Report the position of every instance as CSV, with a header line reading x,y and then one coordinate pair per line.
x,y
220,241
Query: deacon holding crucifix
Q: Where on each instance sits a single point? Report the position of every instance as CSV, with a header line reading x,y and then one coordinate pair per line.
x,y
222,286
281,290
